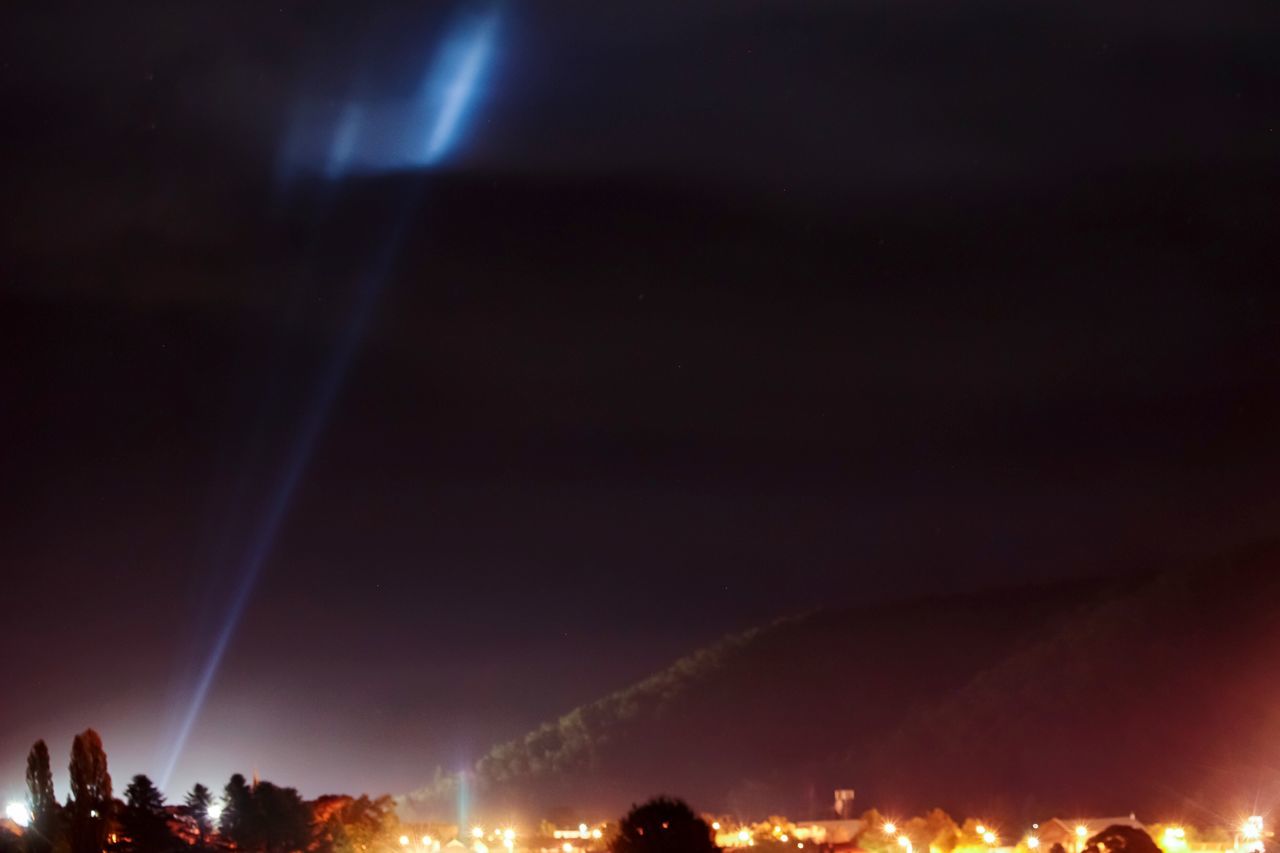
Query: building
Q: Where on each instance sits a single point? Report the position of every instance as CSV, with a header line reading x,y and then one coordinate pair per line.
x,y
1073,833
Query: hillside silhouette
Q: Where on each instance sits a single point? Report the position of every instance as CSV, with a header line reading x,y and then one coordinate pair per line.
x,y
1154,694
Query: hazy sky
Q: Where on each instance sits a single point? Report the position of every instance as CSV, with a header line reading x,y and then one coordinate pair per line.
x,y
708,312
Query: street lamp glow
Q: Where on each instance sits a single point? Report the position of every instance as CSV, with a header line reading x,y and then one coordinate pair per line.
x,y
404,841
989,837
18,813
426,841
715,824
477,832
890,828
582,830
1032,842
904,842
1252,828
744,835
595,833
981,830
567,847
1082,831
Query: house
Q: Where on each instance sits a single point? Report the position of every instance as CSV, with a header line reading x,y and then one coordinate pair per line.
x,y
1073,833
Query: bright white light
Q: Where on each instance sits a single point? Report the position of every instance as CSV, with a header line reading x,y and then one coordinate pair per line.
x,y
477,832
215,811
1033,842
981,830
18,813
457,78
404,841
989,837
595,833
715,824
426,841
567,847
582,829
890,828
904,842
1082,831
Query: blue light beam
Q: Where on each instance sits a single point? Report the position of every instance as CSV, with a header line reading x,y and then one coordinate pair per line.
x,y
453,83
451,88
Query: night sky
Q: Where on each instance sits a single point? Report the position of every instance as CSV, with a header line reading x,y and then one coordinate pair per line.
x,y
701,314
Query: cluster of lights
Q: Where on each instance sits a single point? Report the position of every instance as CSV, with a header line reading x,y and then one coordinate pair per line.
x,y
18,813
1252,833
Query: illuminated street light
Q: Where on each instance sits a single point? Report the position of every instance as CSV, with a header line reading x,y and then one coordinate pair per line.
x,y
744,835
567,847
426,841
981,830
1032,842
989,837
1082,831
1252,828
595,833
890,828
715,824
477,832
582,830
404,841
784,837
18,813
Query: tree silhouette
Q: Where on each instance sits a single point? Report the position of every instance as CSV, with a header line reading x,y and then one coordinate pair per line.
x,y
265,818
1117,838
663,825
90,803
198,802
144,822
41,801
237,808
356,824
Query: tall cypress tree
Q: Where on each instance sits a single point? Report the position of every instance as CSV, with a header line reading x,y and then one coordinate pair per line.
x,y
41,800
90,804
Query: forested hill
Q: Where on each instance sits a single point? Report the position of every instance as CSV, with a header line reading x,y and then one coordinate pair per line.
x,y
1154,695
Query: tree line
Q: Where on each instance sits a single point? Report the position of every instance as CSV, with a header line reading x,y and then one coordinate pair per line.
x,y
258,817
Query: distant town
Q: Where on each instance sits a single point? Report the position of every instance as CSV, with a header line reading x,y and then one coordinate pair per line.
x,y
262,817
